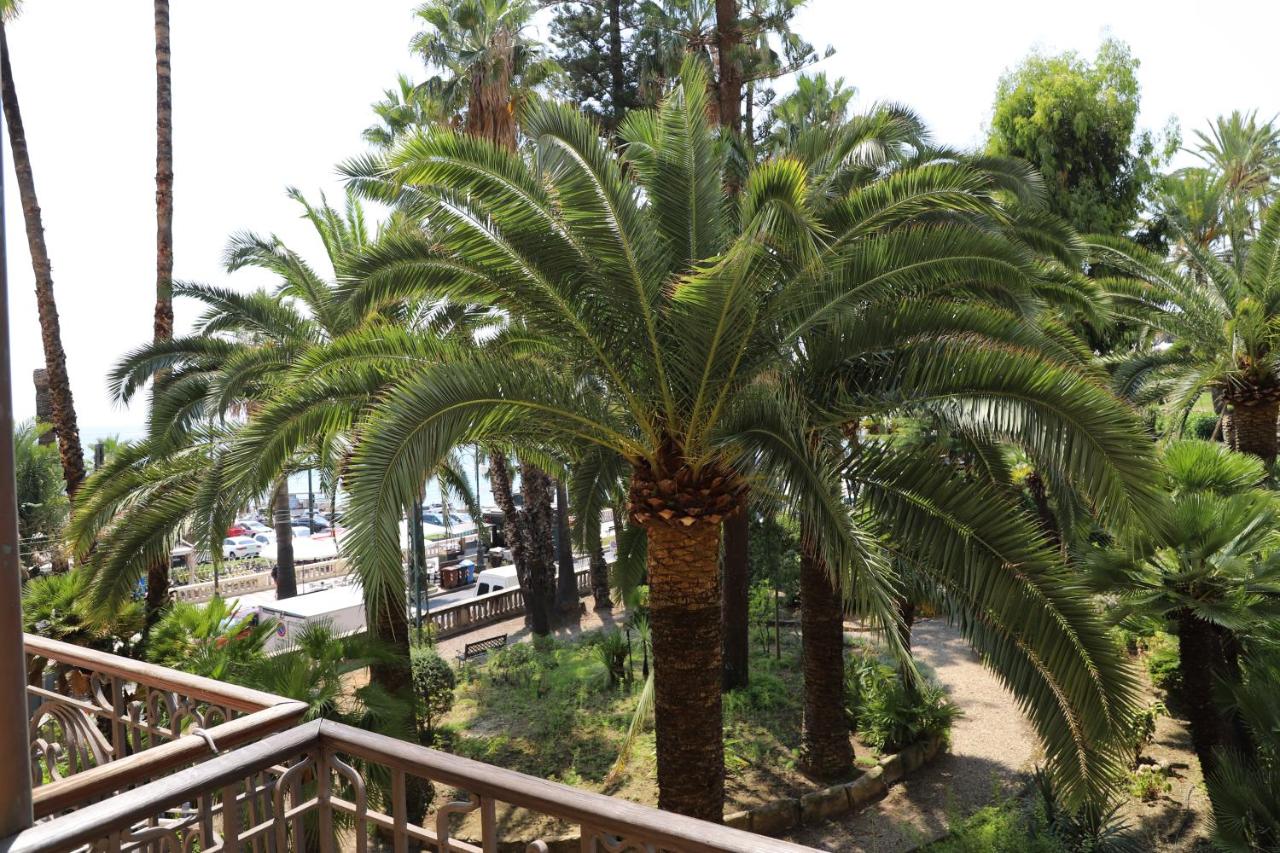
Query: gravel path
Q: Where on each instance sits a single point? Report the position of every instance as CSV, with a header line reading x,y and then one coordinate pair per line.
x,y
992,748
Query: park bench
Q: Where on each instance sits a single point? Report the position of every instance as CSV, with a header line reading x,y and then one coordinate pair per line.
x,y
480,648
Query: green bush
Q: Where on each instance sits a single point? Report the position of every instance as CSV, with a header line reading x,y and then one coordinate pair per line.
x,y
1200,425
888,713
433,684
1004,828
1164,662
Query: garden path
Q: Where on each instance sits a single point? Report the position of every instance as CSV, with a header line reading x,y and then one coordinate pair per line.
x,y
993,749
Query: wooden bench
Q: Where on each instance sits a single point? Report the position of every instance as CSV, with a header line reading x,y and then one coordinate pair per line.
x,y
480,648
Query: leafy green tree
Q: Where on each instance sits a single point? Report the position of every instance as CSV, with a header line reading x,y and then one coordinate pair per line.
x,y
211,639
58,607
1075,120
1244,789
1208,565
816,102
1244,155
433,684
662,326
1220,325
595,47
42,499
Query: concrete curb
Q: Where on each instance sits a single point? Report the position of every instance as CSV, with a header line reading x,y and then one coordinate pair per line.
x,y
816,806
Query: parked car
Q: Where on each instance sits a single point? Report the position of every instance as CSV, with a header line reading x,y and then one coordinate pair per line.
x,y
301,531
237,530
256,527
235,547
268,538
317,524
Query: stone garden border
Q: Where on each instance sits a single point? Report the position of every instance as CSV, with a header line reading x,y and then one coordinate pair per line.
x,y
816,806
781,815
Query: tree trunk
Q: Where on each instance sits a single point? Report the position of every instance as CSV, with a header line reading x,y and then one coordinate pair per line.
x,y
729,86
164,177
1200,657
567,577
44,405
55,358
737,593
600,579
1044,512
489,112
286,579
617,71
539,593
684,613
1253,428
157,592
826,750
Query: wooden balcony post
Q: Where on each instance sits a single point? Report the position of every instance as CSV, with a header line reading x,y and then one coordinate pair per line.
x,y
15,782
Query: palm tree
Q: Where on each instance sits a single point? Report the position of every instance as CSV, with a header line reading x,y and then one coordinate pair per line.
x,y
664,320
164,176
1218,325
486,68
401,109
1245,155
1210,568
55,357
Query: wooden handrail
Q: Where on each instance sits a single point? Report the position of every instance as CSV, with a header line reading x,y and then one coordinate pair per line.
x,y
194,686
89,785
621,817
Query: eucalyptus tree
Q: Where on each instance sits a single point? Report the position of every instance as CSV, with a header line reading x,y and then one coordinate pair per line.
x,y
1218,326
1208,566
667,318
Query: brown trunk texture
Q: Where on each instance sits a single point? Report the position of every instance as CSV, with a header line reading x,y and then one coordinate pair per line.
x,y
1200,659
540,592
600,579
1253,429
44,405
55,358
286,579
1044,512
157,592
490,113
566,576
512,523
729,87
684,612
164,177
737,593
826,750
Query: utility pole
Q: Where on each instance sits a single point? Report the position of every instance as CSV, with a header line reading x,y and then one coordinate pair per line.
x,y
311,504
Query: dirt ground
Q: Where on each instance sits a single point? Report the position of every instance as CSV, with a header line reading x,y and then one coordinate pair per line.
x,y
993,749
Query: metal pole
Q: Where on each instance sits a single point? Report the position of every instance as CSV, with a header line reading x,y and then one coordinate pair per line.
x,y
15,782
311,504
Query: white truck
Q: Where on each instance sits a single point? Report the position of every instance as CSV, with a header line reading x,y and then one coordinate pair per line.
x,y
340,606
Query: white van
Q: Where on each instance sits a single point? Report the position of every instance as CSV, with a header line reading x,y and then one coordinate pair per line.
x,y
341,606
496,580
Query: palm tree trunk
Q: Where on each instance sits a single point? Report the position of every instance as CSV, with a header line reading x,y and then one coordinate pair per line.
x,y
600,579
1199,661
729,86
1253,428
286,579
566,577
1044,512
539,593
684,614
617,71
164,177
826,750
737,592
55,358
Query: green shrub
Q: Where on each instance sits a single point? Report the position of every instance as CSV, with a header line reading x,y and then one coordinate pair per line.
x,y
1163,662
761,609
1003,828
433,685
887,712
1200,425
611,650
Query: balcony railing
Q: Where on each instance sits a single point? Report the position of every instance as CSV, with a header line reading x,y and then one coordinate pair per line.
x,y
105,722
482,610
193,764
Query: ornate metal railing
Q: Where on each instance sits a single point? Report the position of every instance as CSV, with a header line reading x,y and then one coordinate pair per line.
x,y
327,786
100,723
471,613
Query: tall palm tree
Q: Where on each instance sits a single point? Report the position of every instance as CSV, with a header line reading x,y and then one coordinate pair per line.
x,y
486,67
666,319
1245,154
164,176
1219,325
55,357
1209,567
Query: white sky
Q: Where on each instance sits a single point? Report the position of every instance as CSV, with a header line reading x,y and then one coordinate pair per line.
x,y
274,93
